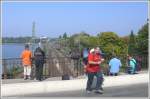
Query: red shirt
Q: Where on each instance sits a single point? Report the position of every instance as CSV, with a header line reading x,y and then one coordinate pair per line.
x,y
93,67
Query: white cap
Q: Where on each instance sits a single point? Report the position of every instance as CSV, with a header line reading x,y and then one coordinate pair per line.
x,y
92,50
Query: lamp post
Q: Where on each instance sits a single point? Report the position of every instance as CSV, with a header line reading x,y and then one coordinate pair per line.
x,y
33,36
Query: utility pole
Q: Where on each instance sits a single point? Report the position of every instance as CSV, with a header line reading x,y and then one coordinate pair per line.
x,y
33,36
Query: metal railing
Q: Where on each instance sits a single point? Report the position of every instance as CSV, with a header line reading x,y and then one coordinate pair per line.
x,y
142,62
54,67
10,66
58,66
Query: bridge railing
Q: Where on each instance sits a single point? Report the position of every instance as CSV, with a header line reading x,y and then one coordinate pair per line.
x,y
54,67
58,66
10,67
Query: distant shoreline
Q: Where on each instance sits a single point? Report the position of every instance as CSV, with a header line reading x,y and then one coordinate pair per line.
x,y
13,43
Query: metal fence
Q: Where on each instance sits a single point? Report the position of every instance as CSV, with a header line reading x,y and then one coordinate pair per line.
x,y
142,62
11,67
54,67
58,66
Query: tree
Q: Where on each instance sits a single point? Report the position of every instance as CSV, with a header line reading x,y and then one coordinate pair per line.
x,y
132,44
65,35
125,39
142,40
60,37
110,43
93,41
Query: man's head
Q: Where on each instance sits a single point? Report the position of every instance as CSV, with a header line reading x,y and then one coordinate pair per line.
x,y
97,50
39,48
92,50
129,57
114,56
27,47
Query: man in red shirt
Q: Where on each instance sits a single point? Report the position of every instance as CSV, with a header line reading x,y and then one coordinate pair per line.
x,y
93,69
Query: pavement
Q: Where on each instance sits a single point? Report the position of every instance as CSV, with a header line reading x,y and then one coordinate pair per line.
x,y
10,81
123,85
135,90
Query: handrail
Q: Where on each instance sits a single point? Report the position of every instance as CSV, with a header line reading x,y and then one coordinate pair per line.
x,y
54,66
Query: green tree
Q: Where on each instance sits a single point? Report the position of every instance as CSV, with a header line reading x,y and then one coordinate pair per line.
x,y
93,41
142,39
111,43
132,44
65,35
125,39
60,37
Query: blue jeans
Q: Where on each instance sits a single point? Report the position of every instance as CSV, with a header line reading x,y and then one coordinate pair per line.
x,y
99,82
131,70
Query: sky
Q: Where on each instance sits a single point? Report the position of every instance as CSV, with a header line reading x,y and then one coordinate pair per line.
x,y
52,19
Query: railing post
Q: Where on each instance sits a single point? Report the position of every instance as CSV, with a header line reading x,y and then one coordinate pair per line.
x,y
5,69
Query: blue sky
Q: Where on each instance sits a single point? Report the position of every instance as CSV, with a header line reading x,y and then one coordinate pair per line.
x,y
53,18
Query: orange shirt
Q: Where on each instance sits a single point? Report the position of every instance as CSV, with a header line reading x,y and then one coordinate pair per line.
x,y
26,57
92,67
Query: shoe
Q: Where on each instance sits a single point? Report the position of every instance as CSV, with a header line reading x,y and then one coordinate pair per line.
x,y
99,91
29,78
88,91
25,78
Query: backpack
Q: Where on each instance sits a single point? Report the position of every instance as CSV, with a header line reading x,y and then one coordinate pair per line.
x,y
136,66
85,53
135,63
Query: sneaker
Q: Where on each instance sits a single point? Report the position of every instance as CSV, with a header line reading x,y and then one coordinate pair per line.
x,y
99,91
40,80
28,77
25,78
88,91
31,78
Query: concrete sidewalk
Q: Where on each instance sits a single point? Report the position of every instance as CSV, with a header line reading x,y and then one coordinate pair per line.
x,y
10,81
69,85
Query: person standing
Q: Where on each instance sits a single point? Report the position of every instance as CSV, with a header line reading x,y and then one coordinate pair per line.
x,y
26,57
114,65
93,69
39,58
85,57
132,65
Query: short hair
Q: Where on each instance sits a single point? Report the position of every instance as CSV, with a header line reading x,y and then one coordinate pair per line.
x,y
26,46
129,55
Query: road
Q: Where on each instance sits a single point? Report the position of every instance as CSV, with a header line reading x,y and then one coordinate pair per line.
x,y
136,90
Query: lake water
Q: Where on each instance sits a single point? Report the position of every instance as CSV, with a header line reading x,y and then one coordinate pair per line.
x,y
12,50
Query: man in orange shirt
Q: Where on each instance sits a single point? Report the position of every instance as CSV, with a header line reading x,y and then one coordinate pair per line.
x,y
93,69
26,62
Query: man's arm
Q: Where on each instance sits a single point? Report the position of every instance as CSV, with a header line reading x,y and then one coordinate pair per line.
x,y
90,60
94,63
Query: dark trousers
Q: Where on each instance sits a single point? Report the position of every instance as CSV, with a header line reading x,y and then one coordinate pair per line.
x,y
39,70
113,74
99,81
